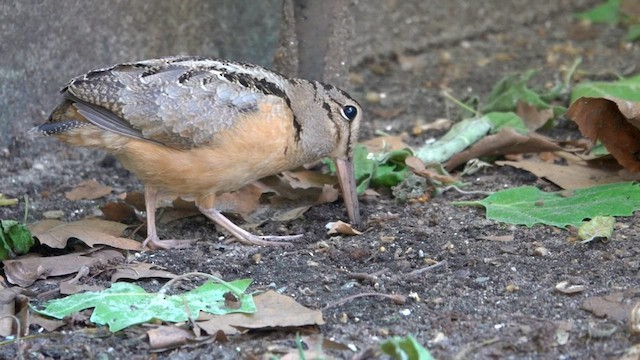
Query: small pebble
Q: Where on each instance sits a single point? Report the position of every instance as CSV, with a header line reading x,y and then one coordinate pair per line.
x,y
540,251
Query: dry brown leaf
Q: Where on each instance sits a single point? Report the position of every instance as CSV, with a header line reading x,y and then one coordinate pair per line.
x,y
55,234
506,141
7,309
387,113
118,212
273,310
88,190
610,122
26,270
438,124
532,117
385,144
342,228
136,199
68,288
164,337
419,168
137,271
47,323
615,306
574,175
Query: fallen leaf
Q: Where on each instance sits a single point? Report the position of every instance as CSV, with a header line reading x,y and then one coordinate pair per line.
x,y
615,306
506,141
420,168
598,227
26,270
8,309
438,124
45,322
273,310
67,288
118,212
342,228
601,119
137,271
532,117
55,234
385,144
88,190
566,287
574,175
170,336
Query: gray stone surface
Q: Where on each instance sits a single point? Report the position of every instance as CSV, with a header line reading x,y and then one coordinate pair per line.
x,y
45,43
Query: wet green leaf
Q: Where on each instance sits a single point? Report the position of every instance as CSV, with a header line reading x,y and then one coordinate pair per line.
x,y
528,205
126,304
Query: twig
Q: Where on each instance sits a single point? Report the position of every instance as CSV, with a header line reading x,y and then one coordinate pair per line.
x,y
372,278
18,339
396,298
422,270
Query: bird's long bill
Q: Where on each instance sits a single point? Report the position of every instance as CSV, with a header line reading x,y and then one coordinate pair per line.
x,y
348,185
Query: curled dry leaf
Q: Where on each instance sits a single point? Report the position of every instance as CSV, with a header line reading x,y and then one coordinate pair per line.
x,y
419,168
273,310
26,270
342,228
617,306
505,141
92,232
165,337
385,144
566,287
574,175
8,309
137,271
615,122
532,117
88,190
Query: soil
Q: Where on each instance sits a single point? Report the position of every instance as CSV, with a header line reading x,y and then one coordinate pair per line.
x,y
484,299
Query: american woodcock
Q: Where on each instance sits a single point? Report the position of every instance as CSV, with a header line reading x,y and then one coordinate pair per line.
x,y
196,127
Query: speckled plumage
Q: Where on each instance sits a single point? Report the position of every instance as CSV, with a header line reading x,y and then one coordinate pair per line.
x,y
196,127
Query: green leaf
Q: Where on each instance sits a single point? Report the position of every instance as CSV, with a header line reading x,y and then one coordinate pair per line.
x,y
634,32
501,120
607,13
405,348
528,205
126,304
15,239
598,227
513,88
627,89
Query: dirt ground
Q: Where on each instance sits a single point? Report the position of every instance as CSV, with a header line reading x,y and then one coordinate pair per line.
x,y
485,299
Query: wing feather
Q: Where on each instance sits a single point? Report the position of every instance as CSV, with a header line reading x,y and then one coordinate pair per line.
x,y
181,102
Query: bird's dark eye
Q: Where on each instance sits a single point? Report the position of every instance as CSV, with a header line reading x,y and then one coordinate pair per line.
x,y
349,112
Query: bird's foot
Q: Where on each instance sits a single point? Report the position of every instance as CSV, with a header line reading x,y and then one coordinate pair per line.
x,y
155,243
269,240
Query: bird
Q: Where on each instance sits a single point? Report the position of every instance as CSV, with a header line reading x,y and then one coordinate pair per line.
x,y
195,127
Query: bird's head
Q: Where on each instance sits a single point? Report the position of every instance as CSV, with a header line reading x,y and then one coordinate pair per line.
x,y
330,124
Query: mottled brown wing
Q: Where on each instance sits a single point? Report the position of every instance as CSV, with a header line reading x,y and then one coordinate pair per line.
x,y
180,102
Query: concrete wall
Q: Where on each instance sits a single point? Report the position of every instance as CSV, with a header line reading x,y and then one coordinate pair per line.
x,y
45,43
